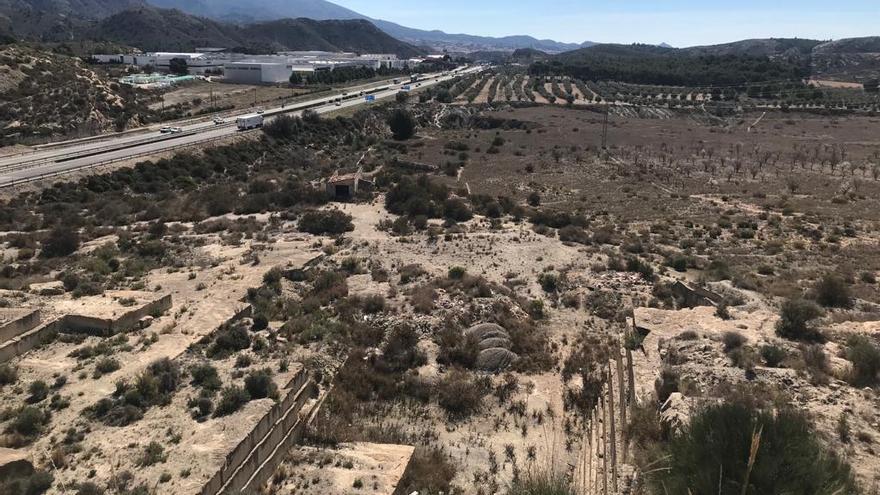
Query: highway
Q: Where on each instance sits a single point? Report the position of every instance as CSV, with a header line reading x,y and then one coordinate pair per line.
x,y
17,169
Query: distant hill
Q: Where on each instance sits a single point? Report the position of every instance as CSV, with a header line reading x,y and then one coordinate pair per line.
x,y
754,60
257,10
260,10
154,29
701,66
772,47
331,35
853,59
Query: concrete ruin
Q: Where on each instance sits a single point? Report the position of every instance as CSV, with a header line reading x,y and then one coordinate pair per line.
x,y
28,331
693,296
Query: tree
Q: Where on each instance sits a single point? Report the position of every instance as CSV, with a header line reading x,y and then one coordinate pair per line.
x,y
402,124
402,97
872,86
178,66
296,78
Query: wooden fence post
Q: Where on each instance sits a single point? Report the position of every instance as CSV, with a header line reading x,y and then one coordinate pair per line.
x,y
622,391
630,377
604,447
611,426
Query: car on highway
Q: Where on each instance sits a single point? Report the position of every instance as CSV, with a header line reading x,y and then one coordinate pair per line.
x,y
219,121
165,130
175,130
260,110
338,103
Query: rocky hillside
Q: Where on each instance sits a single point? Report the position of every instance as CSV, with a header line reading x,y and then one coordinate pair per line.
x,y
56,20
307,34
134,23
172,30
849,59
44,94
154,29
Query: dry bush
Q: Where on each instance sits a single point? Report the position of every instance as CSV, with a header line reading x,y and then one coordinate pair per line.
x,y
430,471
733,341
422,299
461,394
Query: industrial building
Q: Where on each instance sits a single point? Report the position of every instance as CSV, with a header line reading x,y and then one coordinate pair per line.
x,y
258,69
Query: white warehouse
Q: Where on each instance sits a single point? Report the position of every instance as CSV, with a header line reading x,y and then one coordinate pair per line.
x,y
257,72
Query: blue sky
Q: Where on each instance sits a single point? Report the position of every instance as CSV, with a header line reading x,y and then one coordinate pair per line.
x,y
678,22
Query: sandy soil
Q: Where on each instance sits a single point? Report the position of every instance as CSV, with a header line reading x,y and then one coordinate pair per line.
x,y
195,313
239,95
350,468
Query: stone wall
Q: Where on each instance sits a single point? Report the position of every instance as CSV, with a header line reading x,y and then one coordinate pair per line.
x,y
261,445
79,323
110,326
21,324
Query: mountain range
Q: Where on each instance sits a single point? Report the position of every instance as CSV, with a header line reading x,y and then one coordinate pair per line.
x,y
154,29
262,10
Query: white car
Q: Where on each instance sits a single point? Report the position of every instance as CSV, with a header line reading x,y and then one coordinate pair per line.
x,y
175,130
219,121
260,110
165,130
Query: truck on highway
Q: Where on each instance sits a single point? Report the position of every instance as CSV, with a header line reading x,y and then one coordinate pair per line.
x,y
246,122
370,98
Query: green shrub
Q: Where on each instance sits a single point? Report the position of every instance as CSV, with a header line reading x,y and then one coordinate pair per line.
x,y
36,483
549,282
232,399
8,374
62,241
259,384
542,483
573,233
153,453
833,292
374,303
205,376
711,455
865,358
457,272
229,340
29,421
457,210
38,390
794,320
401,351
773,355
325,222
106,365
732,341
